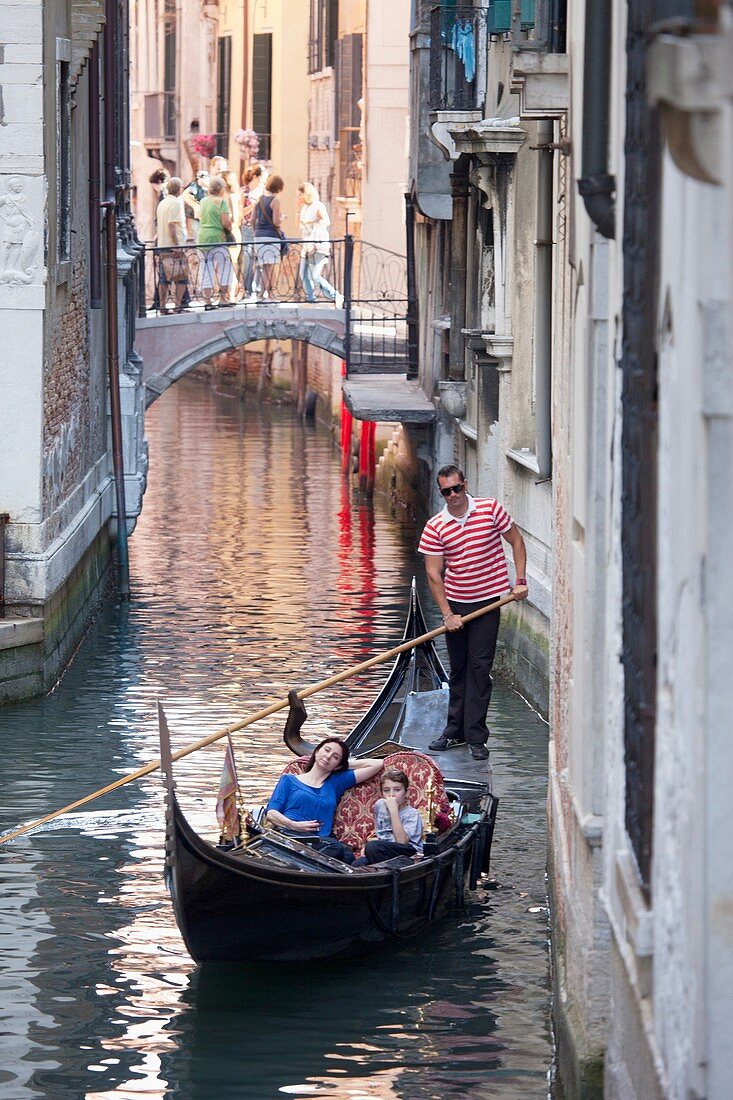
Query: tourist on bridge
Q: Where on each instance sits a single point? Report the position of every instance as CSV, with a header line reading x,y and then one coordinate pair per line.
x,y
466,569
253,188
267,219
216,222
316,248
170,220
193,195
218,166
234,198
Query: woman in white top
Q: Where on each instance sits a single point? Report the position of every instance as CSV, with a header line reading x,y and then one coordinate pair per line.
x,y
316,247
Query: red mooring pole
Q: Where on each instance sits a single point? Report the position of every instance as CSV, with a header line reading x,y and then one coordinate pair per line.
x,y
367,461
347,427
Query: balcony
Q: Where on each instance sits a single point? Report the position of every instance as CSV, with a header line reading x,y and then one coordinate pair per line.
x,y
160,119
458,48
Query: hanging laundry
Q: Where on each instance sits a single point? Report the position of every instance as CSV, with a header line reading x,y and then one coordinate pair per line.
x,y
463,44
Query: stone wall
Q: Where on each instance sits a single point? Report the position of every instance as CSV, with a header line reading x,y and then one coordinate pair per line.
x,y
55,464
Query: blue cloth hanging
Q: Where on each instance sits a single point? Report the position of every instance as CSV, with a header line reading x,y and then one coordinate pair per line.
x,y
463,44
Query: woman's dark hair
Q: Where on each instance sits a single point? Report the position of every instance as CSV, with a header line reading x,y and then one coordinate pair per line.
x,y
274,184
330,741
252,173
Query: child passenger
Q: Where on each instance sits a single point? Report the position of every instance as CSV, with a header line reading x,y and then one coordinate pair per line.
x,y
398,825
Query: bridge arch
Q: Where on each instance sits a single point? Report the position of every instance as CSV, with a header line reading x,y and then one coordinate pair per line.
x,y
170,347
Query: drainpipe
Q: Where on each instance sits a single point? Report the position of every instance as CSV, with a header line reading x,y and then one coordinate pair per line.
x,y
111,60
543,308
413,321
596,186
110,121
459,231
348,266
95,264
113,373
4,521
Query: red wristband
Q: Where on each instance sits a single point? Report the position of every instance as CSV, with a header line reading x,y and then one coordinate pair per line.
x,y
520,580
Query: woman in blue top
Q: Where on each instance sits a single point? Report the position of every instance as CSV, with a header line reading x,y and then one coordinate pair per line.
x,y
305,804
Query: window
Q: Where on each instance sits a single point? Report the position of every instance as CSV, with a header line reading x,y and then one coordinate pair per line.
x,y
223,93
324,21
348,94
262,92
63,161
169,75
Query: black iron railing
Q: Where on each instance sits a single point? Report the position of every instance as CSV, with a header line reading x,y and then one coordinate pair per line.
x,y
459,39
250,271
367,282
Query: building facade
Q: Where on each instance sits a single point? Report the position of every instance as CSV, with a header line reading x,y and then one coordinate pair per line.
x,y
58,160
571,179
639,774
488,183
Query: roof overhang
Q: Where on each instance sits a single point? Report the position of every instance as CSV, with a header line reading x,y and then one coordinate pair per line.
x,y
389,398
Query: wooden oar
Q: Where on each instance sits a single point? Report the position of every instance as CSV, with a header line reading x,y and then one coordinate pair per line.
x,y
249,721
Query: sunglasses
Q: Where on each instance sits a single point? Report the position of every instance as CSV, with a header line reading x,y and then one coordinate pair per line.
x,y
453,489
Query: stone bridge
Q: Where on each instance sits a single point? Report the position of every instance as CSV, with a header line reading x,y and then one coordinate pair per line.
x,y
173,345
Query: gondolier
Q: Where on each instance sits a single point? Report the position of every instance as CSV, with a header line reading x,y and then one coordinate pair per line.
x,y
466,569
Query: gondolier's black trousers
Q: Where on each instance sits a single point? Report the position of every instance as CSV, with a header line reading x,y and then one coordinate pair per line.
x,y
471,651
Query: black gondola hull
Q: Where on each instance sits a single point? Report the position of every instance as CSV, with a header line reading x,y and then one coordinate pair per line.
x,y
230,909
236,906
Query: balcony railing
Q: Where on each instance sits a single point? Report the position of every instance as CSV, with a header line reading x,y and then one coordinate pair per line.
x,y
160,118
458,41
459,38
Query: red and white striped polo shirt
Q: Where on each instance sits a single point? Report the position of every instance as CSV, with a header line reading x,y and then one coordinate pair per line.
x,y
475,566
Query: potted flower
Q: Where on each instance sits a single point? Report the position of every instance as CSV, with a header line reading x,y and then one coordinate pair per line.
x,y
248,142
204,144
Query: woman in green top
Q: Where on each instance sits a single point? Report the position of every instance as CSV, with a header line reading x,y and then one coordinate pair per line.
x,y
216,220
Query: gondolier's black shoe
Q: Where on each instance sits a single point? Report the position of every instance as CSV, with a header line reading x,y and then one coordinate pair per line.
x,y
479,752
440,744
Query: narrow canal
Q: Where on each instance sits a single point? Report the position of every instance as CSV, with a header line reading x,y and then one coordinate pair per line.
x,y
252,572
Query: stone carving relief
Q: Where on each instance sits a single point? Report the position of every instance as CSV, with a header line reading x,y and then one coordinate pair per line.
x,y
19,238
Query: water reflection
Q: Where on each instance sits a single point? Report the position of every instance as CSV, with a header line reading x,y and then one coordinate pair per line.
x,y
253,572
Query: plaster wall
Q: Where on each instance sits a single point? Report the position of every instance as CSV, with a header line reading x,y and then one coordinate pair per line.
x,y
586,683
384,121
194,97
289,25
641,979
678,974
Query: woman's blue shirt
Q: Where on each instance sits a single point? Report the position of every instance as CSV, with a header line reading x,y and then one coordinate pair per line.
x,y
300,802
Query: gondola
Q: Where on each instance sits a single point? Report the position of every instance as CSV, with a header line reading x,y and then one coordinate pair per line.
x,y
275,898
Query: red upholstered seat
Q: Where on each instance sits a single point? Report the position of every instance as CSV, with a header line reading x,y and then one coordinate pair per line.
x,y
354,820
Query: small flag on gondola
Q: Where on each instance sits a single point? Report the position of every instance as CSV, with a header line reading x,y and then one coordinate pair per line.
x,y
226,803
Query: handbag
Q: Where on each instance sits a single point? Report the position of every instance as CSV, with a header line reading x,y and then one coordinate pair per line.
x,y
284,242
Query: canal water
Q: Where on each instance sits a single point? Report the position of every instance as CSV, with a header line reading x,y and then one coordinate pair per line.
x,y
253,570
